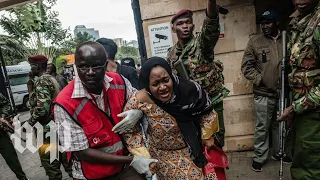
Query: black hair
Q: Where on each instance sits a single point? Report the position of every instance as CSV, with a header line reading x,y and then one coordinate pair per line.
x,y
110,47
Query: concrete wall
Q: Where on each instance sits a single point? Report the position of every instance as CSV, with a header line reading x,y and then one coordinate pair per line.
x,y
239,25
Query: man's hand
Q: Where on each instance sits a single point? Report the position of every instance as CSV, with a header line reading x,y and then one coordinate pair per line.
x,y
208,142
142,165
30,83
131,118
6,125
287,114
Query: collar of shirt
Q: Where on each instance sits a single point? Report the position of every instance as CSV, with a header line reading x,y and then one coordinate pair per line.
x,y
80,92
276,37
179,47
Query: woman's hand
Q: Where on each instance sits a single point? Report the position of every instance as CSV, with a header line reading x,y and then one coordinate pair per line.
x,y
208,142
154,167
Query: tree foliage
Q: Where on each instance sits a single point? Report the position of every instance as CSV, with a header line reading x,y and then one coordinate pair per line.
x,y
12,49
36,25
60,63
83,37
128,51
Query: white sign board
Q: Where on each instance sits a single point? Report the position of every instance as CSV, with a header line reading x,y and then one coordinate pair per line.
x,y
222,35
160,39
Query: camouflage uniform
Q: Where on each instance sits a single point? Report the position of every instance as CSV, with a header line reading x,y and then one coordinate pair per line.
x,y
41,99
304,79
198,58
46,89
5,108
6,148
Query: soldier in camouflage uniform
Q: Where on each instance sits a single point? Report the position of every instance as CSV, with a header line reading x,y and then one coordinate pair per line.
x,y
41,95
197,56
304,79
6,148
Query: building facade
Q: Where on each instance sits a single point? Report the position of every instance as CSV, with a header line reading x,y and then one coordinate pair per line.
x,y
236,28
133,43
82,29
120,42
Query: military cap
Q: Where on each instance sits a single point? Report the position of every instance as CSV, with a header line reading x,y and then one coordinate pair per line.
x,y
38,59
183,12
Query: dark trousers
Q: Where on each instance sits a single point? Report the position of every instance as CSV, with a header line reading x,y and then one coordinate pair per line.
x,y
128,173
9,154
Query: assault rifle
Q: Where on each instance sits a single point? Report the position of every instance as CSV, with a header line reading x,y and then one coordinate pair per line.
x,y
283,102
181,69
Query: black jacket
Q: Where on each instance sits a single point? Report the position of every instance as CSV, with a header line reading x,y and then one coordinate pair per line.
x,y
129,73
61,80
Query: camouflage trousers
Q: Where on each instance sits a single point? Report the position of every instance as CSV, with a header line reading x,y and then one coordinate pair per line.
x,y
10,156
306,147
53,169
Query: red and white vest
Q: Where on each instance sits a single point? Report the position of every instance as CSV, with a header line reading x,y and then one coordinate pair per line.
x,y
97,125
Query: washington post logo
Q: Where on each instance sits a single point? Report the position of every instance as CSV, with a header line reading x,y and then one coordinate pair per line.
x,y
35,140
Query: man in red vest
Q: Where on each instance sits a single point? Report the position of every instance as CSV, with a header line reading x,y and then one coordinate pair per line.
x,y
86,111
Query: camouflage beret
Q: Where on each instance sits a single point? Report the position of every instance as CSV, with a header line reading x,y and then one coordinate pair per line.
x,y
184,12
39,59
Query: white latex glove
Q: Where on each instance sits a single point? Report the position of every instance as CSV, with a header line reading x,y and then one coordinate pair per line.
x,y
154,177
141,165
131,118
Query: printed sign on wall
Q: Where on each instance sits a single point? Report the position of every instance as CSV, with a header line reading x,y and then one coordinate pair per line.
x,y
160,39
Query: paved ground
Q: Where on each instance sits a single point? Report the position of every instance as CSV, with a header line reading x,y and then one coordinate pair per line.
x,y
239,163
240,168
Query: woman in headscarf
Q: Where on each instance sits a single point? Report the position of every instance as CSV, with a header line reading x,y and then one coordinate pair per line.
x,y
180,120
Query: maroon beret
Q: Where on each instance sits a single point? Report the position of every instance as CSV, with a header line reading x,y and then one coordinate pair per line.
x,y
183,12
39,59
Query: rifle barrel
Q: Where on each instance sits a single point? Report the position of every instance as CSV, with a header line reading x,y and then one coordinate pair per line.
x,y
282,104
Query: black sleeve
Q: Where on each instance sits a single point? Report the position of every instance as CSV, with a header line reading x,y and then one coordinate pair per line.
x,y
134,80
62,81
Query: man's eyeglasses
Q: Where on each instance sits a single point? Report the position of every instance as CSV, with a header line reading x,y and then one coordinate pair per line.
x,y
94,68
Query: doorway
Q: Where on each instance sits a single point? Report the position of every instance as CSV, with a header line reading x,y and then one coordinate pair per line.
x,y
284,7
